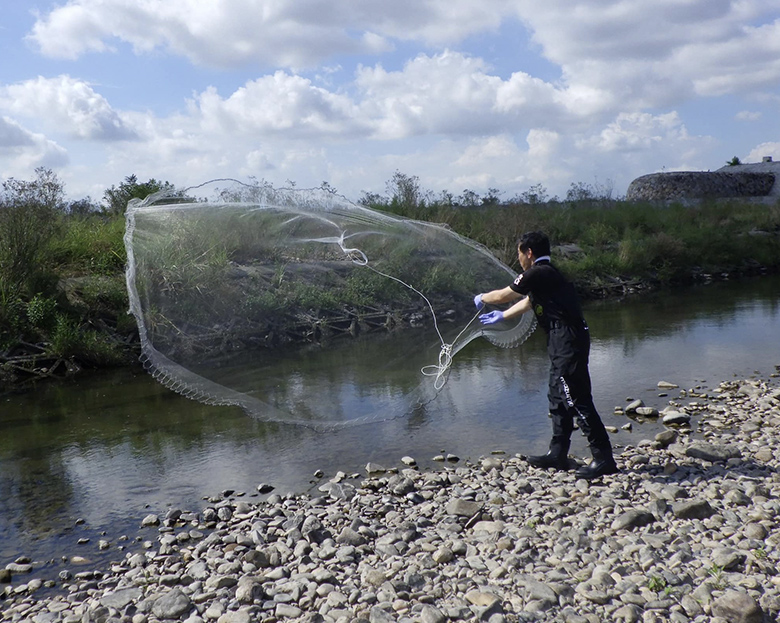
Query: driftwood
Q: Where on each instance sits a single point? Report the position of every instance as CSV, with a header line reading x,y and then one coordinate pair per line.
x,y
28,363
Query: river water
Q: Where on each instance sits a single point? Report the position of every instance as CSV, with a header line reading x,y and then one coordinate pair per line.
x,y
90,458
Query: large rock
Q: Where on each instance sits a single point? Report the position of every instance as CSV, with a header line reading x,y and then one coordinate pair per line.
x,y
633,519
694,509
738,607
172,605
121,598
463,508
711,452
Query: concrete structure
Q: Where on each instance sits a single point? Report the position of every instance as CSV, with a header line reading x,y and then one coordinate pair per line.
x,y
760,179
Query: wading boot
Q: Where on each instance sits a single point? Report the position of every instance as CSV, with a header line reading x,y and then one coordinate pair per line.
x,y
597,469
550,460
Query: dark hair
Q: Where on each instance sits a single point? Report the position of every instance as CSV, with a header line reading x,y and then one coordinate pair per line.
x,y
537,241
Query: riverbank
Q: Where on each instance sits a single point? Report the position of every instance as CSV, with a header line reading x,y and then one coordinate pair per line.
x,y
686,532
67,310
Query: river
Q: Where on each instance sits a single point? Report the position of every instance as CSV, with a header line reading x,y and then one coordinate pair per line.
x,y
89,458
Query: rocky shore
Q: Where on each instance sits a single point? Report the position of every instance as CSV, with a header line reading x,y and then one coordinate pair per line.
x,y
688,531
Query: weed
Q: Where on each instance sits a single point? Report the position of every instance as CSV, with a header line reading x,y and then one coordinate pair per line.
x,y
656,583
716,573
760,553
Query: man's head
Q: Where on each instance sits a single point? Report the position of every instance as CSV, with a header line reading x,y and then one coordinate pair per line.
x,y
531,246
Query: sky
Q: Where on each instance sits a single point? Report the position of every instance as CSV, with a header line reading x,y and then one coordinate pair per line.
x,y
504,94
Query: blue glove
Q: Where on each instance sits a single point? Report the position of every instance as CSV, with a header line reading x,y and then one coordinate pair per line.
x,y
478,301
492,318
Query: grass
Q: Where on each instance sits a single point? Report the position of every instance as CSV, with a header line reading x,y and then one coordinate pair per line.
x,y
62,276
627,240
62,284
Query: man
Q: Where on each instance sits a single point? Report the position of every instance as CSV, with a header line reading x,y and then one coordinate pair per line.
x,y
554,301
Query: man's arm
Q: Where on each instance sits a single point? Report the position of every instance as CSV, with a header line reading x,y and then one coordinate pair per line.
x,y
497,297
521,307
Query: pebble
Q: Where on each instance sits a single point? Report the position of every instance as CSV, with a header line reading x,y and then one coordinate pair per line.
x,y
686,532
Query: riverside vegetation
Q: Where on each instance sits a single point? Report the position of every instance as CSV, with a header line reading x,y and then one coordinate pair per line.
x,y
63,301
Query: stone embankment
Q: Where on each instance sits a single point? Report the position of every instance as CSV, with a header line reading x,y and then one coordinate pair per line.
x,y
752,180
699,185
688,531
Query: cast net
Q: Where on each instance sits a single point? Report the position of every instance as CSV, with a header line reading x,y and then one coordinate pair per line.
x,y
299,306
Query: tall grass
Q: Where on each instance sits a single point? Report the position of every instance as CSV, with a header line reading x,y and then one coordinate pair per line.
x,y
665,244
41,249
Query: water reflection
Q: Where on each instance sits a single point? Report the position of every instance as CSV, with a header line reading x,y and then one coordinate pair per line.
x,y
107,446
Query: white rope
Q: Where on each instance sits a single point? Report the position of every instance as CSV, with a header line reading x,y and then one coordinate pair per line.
x,y
440,369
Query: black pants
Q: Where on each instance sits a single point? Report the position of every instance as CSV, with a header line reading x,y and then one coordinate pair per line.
x,y
570,393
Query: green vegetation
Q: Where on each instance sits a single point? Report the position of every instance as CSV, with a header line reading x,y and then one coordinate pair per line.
x,y
62,288
617,242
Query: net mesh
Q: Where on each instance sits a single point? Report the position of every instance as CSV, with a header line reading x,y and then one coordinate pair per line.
x,y
299,306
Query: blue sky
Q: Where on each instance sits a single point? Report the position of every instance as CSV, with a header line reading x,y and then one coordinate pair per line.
x,y
502,94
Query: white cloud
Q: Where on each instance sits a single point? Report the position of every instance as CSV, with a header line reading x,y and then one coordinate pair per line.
x,y
22,151
284,33
765,149
652,54
71,106
280,103
748,115
398,85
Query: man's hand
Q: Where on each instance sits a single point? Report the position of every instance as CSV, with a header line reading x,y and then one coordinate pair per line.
x,y
478,301
492,318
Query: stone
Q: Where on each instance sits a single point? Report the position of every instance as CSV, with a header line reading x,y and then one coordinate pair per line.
x,y
288,611
431,614
482,599
248,590
646,411
633,406
667,385
463,508
380,615
17,567
375,468
171,605
121,598
490,463
666,438
348,536
755,531
633,519
711,452
150,520
727,558
339,491
235,616
673,418
5,576
694,509
737,607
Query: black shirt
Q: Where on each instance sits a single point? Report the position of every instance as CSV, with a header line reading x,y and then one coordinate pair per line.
x,y
553,298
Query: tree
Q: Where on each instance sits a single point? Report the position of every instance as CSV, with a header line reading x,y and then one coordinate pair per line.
x,y
46,190
404,190
116,199
469,198
733,162
28,218
82,207
492,197
535,194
